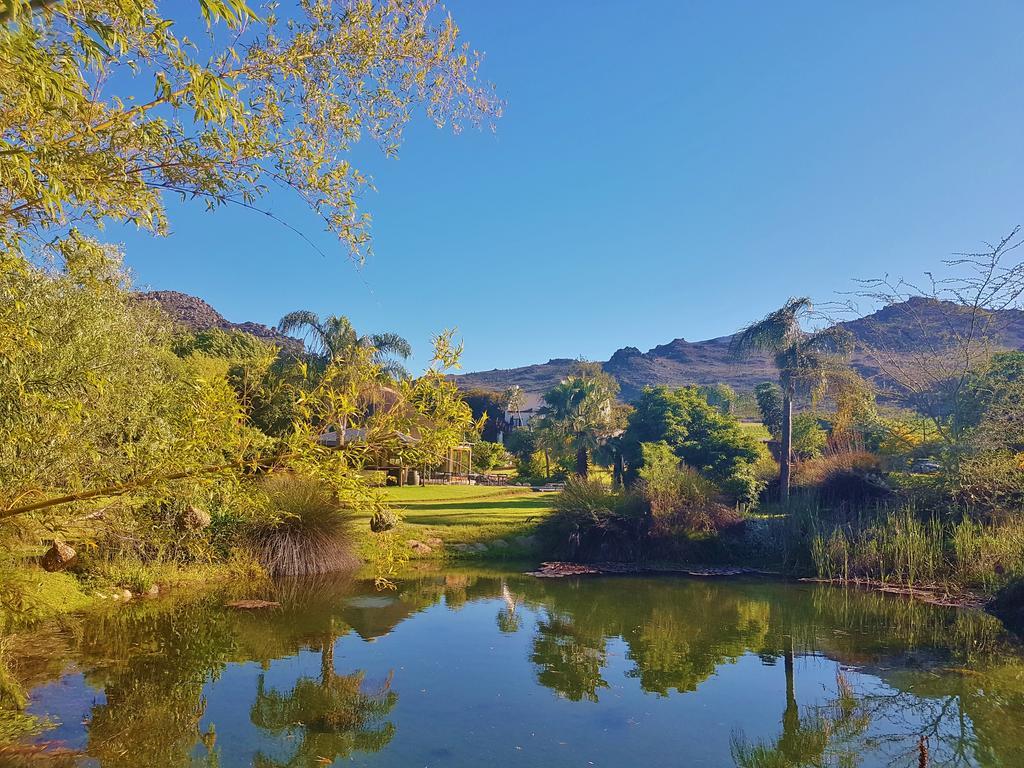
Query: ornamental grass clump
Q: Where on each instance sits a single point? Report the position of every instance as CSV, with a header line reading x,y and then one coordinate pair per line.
x,y
593,522
310,531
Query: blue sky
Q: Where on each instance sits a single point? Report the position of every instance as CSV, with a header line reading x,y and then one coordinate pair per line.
x,y
662,169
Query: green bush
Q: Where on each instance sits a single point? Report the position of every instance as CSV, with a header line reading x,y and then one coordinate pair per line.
x,y
809,439
488,456
593,522
699,434
669,486
681,502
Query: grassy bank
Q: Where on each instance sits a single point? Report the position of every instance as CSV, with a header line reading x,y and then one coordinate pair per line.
x,y
468,520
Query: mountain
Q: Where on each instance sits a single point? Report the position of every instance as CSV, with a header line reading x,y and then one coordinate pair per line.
x,y
195,314
905,328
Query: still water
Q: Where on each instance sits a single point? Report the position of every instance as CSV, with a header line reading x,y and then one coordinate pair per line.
x,y
471,668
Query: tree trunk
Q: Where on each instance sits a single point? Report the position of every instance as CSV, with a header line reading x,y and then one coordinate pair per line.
x,y
786,457
582,467
547,465
618,470
327,659
791,716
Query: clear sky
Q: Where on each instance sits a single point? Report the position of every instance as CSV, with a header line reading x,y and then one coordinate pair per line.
x,y
662,169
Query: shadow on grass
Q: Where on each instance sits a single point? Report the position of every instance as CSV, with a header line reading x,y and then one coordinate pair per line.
x,y
510,505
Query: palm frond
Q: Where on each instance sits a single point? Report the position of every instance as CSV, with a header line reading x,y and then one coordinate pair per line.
x,y
776,331
393,369
390,344
301,319
834,340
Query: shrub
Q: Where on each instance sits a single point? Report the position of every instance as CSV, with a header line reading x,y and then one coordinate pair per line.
x,y
488,456
593,522
310,531
991,482
679,498
809,439
852,478
700,435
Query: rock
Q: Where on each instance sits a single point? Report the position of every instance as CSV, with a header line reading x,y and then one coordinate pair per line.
x,y
58,557
195,518
154,590
499,544
435,542
462,547
126,594
479,547
419,547
526,542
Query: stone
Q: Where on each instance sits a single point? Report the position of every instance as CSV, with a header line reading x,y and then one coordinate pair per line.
x,y
58,557
126,594
526,542
195,518
462,547
499,544
154,590
479,547
435,542
419,547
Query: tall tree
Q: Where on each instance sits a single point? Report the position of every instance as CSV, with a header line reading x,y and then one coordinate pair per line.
x,y
581,410
806,362
769,404
955,324
334,339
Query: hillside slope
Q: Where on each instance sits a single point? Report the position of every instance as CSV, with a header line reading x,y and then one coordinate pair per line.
x,y
195,314
911,326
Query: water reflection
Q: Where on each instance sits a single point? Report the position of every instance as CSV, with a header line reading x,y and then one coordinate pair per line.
x,y
341,672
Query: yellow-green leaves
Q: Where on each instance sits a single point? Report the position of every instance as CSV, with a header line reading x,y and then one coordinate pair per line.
x,y
107,107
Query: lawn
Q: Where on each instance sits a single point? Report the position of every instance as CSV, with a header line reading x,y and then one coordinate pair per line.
x,y
471,514
756,430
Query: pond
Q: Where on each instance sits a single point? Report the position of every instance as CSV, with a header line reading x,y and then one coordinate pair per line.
x,y
474,668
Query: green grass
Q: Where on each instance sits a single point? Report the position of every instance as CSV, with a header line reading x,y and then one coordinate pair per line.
x,y
469,514
756,430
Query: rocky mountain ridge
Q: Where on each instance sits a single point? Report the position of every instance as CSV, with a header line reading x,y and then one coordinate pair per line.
x,y
907,327
193,313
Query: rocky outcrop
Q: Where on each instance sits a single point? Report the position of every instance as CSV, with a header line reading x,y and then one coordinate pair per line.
x,y
194,314
906,327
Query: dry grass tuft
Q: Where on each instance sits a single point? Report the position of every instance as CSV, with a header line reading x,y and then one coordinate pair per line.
x,y
313,533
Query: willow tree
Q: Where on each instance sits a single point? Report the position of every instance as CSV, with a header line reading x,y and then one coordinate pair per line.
x,y
109,106
334,338
807,361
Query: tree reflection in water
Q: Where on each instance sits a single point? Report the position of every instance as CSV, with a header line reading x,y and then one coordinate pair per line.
x,y
916,669
826,735
331,717
953,677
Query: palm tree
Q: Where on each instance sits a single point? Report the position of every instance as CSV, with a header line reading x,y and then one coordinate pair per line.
x,y
331,717
333,339
579,410
806,361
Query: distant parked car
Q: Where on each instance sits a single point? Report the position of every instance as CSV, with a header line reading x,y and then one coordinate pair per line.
x,y
925,466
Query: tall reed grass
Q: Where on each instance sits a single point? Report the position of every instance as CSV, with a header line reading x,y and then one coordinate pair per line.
x,y
900,545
